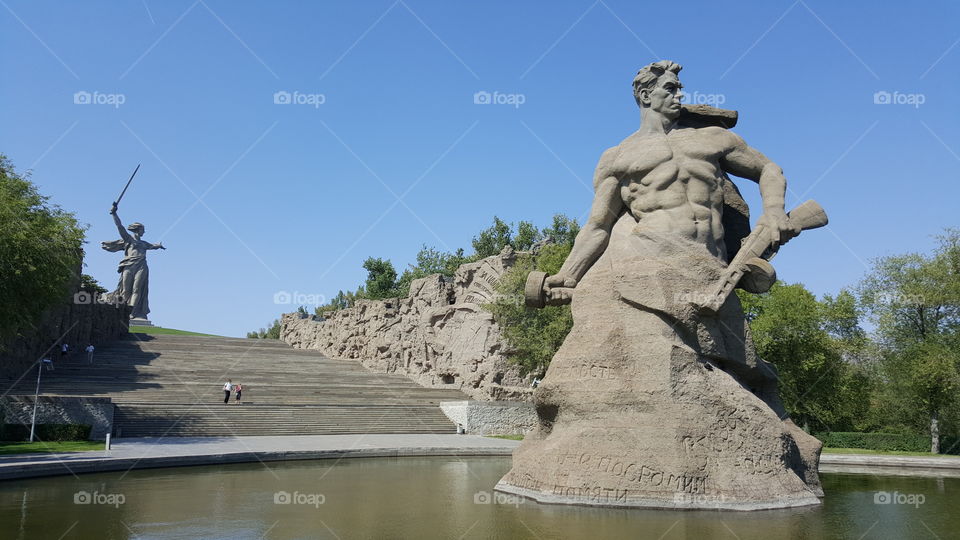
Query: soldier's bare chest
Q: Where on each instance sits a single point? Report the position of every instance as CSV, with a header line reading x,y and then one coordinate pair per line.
x,y
640,156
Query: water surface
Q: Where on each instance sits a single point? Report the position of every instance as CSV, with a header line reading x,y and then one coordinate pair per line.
x,y
435,497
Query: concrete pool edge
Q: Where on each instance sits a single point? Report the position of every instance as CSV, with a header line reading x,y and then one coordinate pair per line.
x,y
150,453
877,460
890,465
129,454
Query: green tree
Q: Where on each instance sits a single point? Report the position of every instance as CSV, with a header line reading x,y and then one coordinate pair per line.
x,y
815,346
914,301
429,261
381,279
40,252
273,332
564,230
342,300
493,239
527,235
533,335
88,283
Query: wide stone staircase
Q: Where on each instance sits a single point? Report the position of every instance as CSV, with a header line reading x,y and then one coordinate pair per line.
x,y
172,386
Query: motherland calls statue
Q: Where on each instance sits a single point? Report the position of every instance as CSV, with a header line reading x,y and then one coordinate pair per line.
x,y
656,397
134,274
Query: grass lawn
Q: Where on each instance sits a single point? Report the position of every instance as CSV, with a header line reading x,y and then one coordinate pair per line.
x,y
158,330
509,437
882,452
10,447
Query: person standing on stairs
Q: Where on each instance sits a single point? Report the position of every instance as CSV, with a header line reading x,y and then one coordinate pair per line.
x,y
238,388
226,391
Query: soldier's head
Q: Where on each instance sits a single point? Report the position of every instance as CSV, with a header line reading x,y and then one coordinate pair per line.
x,y
136,228
657,87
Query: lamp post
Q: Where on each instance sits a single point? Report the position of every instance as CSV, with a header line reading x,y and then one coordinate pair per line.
x,y
36,399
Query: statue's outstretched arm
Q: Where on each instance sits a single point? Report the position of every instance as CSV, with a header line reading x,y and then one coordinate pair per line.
x,y
594,236
116,220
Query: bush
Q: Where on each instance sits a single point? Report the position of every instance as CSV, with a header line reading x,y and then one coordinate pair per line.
x,y
47,432
897,442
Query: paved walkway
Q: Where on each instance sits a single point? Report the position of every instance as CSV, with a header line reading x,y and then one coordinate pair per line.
x,y
141,453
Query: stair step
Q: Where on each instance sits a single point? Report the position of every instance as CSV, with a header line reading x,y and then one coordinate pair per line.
x,y
166,385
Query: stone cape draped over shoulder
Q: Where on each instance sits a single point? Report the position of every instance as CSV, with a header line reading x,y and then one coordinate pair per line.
x,y
133,286
671,277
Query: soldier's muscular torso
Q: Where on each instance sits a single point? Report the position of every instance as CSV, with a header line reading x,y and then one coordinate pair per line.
x,y
672,183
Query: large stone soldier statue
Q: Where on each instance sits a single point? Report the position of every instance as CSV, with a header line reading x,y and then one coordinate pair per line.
x,y
657,398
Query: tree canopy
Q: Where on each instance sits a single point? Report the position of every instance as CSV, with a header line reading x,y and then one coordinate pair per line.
x,y
914,301
41,252
807,340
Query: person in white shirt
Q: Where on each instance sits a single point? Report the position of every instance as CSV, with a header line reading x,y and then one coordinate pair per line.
x,y
226,391
89,350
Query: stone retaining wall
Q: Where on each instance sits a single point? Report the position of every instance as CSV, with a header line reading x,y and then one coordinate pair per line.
x,y
95,412
78,322
491,417
439,335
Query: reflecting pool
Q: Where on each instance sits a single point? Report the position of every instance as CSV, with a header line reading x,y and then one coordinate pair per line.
x,y
435,497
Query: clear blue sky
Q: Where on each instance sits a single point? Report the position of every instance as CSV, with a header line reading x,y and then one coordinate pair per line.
x,y
295,196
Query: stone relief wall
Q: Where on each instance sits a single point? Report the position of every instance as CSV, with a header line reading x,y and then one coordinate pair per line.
x,y
439,335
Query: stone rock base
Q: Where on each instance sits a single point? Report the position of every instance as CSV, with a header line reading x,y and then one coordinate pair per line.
x,y
140,322
720,447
